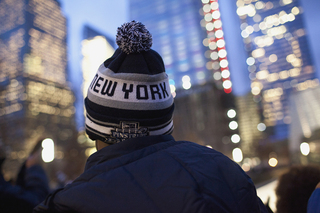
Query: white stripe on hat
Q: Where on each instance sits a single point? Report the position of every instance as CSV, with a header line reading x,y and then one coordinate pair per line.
x,y
135,95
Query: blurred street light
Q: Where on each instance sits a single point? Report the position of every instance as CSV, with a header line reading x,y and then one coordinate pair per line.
x,y
47,153
305,148
237,155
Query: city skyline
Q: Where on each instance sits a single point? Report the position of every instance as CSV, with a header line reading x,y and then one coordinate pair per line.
x,y
98,13
237,56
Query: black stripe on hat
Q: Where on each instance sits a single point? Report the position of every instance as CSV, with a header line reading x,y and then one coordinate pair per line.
x,y
112,115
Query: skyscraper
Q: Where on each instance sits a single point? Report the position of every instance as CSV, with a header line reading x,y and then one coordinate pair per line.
x,y
279,60
305,126
35,98
188,35
96,48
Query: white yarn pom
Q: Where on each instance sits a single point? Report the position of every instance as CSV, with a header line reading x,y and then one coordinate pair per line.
x,y
133,37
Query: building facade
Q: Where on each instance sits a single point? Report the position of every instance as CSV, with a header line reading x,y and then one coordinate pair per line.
x,y
279,60
96,48
35,98
305,126
189,37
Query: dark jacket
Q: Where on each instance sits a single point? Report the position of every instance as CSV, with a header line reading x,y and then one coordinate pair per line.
x,y
314,202
157,174
30,189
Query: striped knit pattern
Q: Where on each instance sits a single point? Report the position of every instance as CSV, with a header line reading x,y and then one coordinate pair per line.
x,y
130,94
126,105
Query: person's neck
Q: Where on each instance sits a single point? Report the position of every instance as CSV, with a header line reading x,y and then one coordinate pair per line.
x,y
100,145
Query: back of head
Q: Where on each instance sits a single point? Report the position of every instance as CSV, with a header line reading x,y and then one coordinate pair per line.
x,y
295,187
130,94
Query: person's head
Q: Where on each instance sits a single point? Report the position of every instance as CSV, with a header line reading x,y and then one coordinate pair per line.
x,y
295,187
130,94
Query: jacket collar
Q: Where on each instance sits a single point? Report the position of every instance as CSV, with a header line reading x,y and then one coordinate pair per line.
x,y
125,147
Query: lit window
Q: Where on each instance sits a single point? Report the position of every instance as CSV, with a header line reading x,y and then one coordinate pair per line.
x,y
286,2
295,11
290,58
221,43
237,155
262,26
209,65
252,13
209,26
48,150
217,76
212,45
246,10
255,90
273,77
231,113
224,63
250,61
269,5
183,67
261,127
208,17
249,29
243,26
244,34
305,148
186,78
206,8
273,58
217,24
273,162
214,55
205,42
225,74
235,138
216,14
219,33
284,74
222,53
257,53
214,5
259,5
227,84
215,65
256,27
200,75
263,74
186,85
233,125
294,72
291,17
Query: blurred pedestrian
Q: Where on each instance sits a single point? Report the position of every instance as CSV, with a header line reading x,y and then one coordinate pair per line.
x,y
295,188
139,167
31,186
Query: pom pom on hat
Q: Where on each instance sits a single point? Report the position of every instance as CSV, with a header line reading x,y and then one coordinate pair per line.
x,y
133,37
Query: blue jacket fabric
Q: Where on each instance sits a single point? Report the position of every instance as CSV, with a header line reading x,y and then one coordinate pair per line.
x,y
314,202
157,174
31,188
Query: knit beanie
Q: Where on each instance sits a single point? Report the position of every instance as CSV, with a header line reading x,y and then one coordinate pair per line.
x,y
130,94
